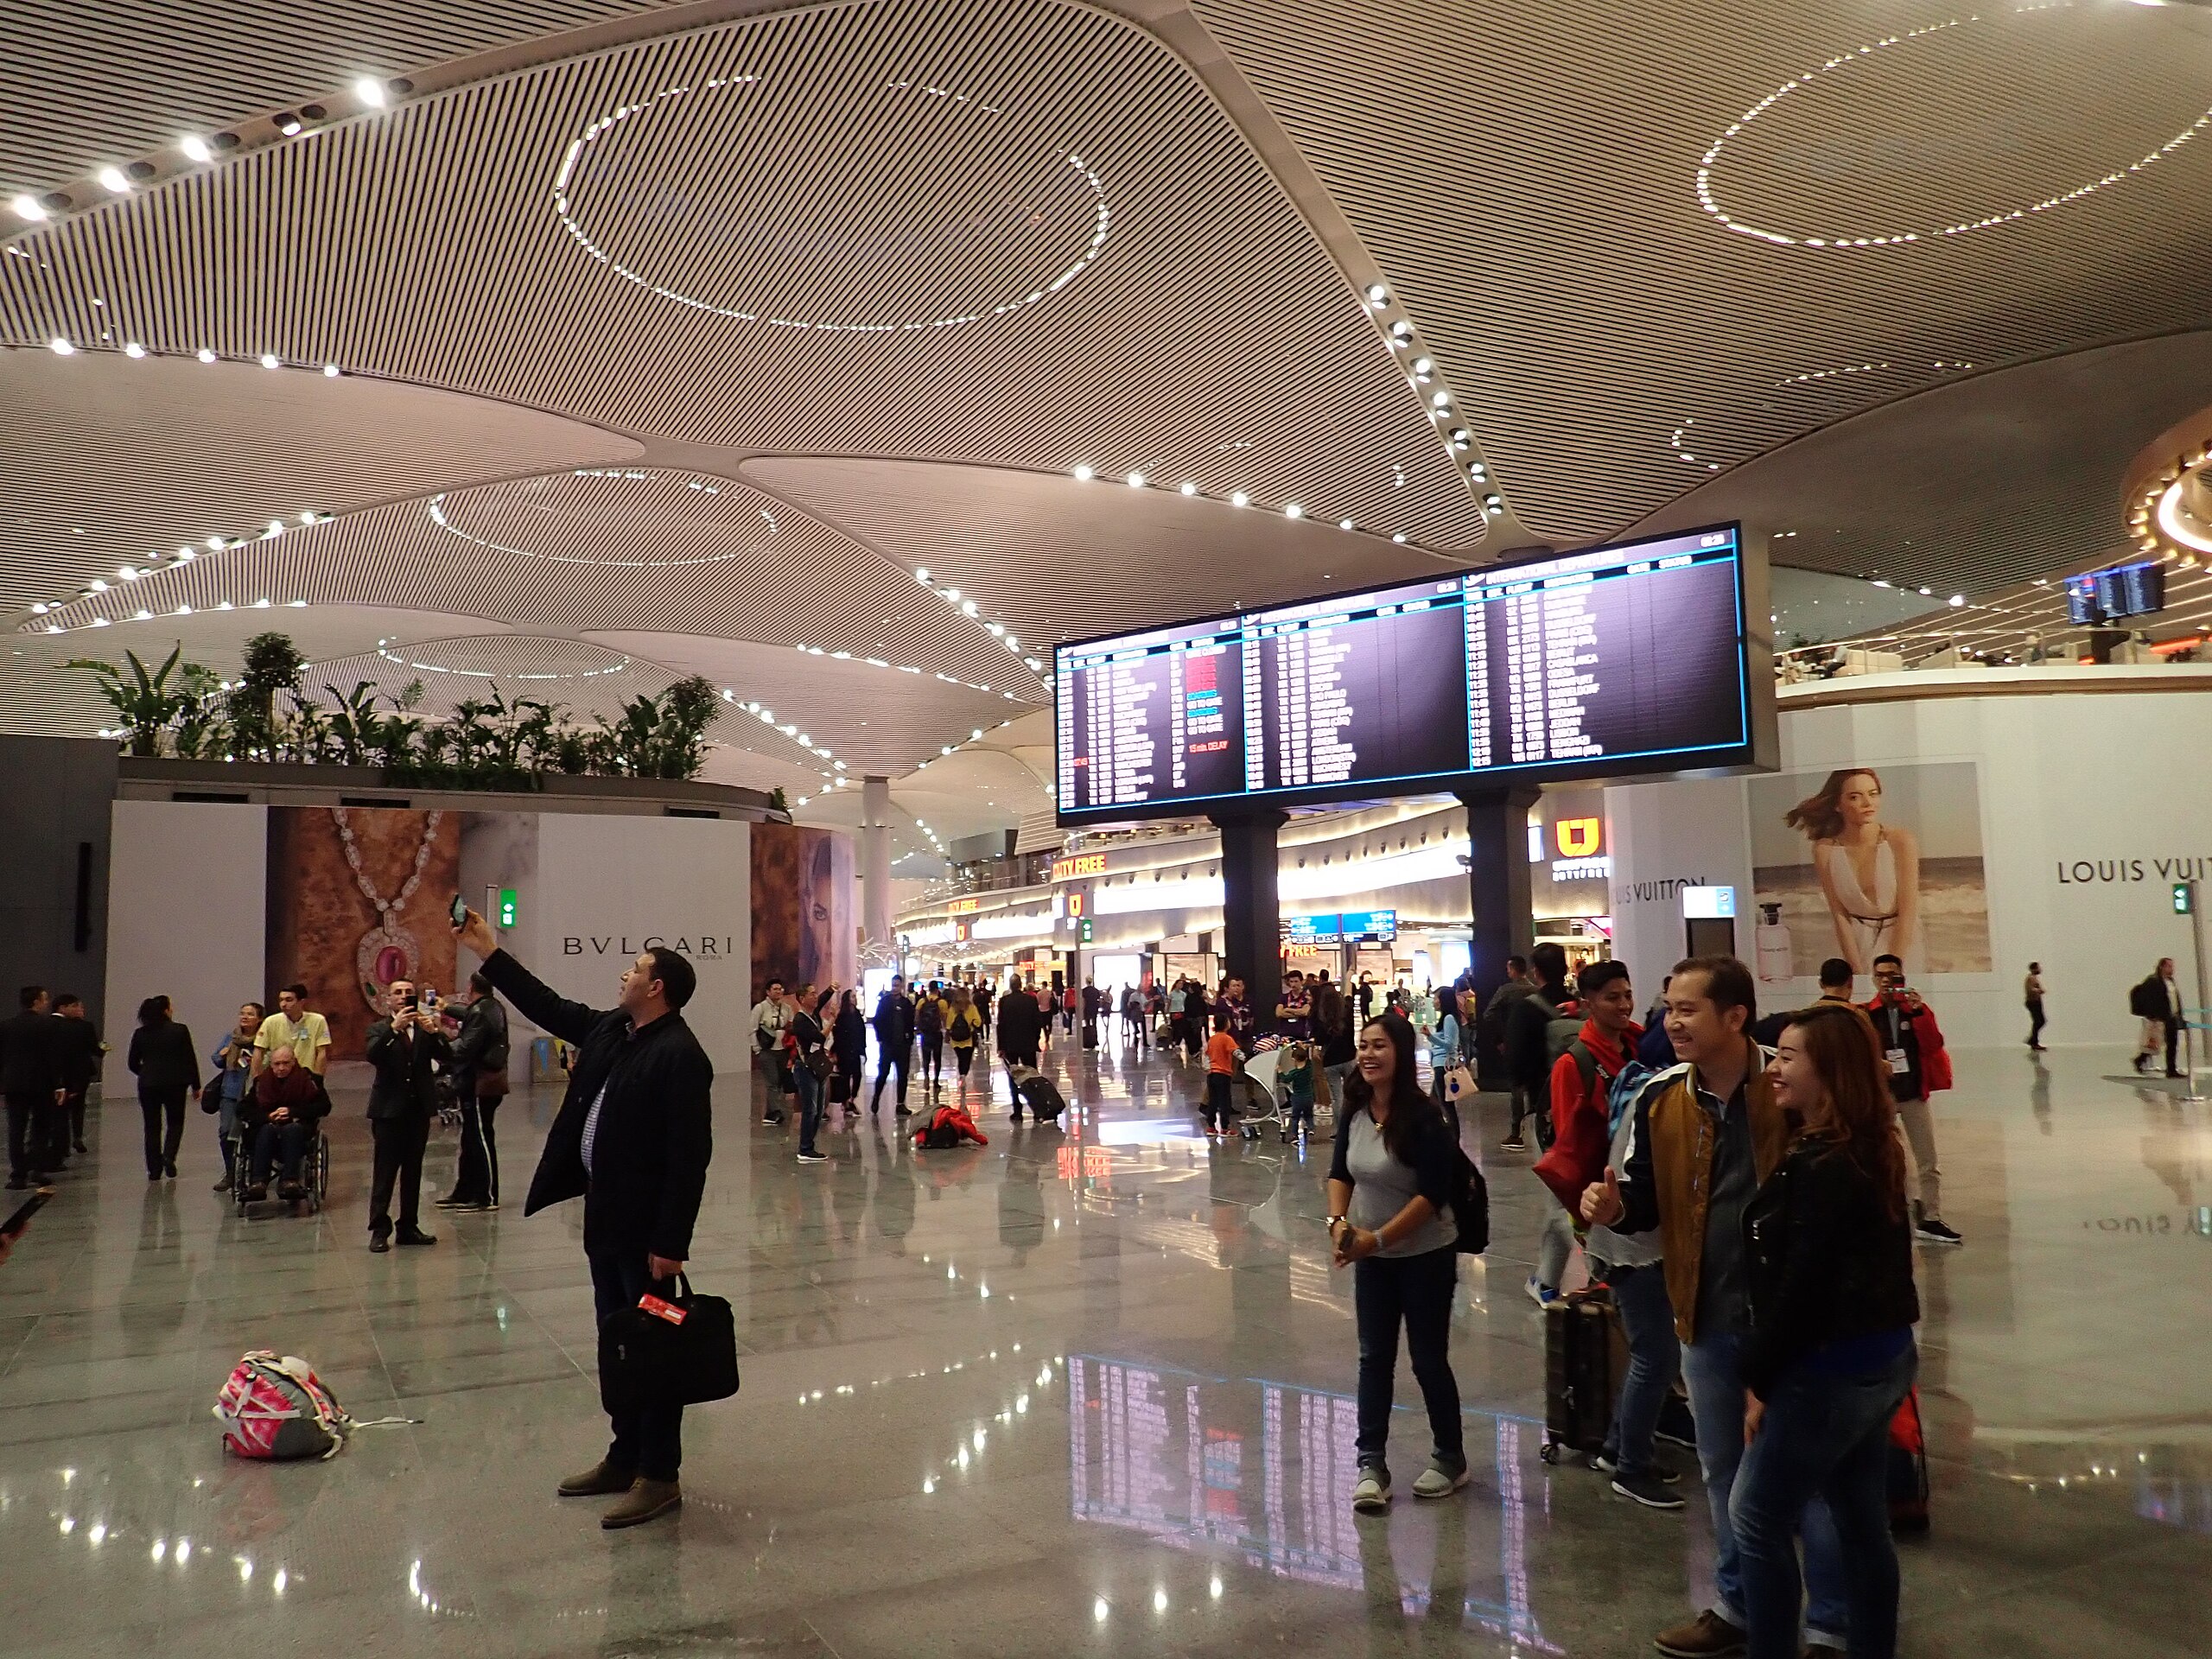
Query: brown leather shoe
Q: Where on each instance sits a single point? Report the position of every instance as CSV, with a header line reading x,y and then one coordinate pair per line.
x,y
644,1500
598,1481
1707,1637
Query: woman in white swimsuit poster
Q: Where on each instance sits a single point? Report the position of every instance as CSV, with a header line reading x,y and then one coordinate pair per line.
x,y
1868,871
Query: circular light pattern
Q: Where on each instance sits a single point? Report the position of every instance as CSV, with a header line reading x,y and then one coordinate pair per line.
x,y
1925,233
1683,436
440,517
546,650
579,153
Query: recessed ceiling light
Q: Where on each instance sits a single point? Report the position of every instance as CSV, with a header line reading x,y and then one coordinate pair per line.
x,y
112,180
1378,295
1086,472
28,206
1344,523
132,348
194,149
270,360
370,91
921,574
1240,499
330,371
289,124
1292,510
206,356
60,347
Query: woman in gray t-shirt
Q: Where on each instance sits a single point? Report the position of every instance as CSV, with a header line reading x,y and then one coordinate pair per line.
x,y
1390,1216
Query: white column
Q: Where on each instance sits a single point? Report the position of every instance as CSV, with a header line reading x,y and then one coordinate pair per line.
x,y
875,864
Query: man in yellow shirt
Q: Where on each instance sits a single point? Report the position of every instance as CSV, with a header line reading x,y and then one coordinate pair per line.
x,y
307,1034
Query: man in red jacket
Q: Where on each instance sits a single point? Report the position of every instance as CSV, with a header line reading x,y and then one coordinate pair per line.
x,y
1918,1067
1579,1082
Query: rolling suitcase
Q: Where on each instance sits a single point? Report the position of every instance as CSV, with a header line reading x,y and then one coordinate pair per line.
x,y
1036,1092
1584,1359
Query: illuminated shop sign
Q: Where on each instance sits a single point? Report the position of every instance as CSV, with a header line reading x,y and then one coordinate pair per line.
x,y
1079,865
1581,844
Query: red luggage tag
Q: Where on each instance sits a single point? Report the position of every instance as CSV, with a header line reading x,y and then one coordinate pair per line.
x,y
661,1310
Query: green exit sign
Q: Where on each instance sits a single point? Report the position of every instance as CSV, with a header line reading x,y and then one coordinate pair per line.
x,y
2184,898
506,906
1086,929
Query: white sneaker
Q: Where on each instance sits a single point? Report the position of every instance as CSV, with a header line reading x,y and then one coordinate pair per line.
x,y
1371,1493
1541,1295
1434,1482
812,1158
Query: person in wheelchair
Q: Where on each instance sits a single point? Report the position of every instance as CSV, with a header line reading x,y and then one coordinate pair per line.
x,y
279,1120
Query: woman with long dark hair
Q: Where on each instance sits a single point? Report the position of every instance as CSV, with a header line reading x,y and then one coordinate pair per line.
x,y
848,1043
168,1069
1390,1217
1830,1355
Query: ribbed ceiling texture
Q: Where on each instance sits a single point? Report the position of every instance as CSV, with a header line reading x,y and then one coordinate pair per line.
x,y
689,333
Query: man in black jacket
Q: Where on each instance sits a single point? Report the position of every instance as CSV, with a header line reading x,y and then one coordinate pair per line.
x,y
479,1069
894,1042
1020,1023
78,1041
633,1138
1527,1053
30,1077
409,1052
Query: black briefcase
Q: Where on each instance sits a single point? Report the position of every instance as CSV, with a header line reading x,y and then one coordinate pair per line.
x,y
679,1350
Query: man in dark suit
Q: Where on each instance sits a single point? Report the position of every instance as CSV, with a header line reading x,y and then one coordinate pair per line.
x,y
78,1043
633,1137
894,1043
30,1077
1020,1023
410,1053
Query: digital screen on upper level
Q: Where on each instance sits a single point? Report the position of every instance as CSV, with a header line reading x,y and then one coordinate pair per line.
x,y
1623,659
2125,590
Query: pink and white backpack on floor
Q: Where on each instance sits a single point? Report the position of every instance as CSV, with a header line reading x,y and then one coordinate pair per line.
x,y
279,1408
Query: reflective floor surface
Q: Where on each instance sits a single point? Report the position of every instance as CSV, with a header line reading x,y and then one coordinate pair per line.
x,y
1085,1391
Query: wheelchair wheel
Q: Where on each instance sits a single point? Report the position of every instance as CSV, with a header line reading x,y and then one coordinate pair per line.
x,y
319,1183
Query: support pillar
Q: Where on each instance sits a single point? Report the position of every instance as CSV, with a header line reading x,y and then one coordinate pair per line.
x,y
1498,879
1251,912
878,947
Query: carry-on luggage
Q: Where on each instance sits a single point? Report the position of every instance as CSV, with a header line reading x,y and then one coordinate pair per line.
x,y
680,1349
1908,1467
1034,1090
1585,1357
1090,1032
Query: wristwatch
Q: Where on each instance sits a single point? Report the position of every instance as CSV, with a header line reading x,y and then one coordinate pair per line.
x,y
1333,1222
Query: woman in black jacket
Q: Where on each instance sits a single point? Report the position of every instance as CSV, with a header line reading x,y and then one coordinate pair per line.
x,y
849,1047
167,1070
1390,1215
1830,1356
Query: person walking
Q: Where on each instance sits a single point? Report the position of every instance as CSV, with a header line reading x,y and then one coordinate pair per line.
x,y
1543,999
234,1058
2032,998
30,1077
2156,1003
1919,1066
848,1043
1830,1354
167,1066
410,1053
811,1065
930,1011
1444,1051
296,1027
771,1018
1497,1016
78,1041
479,1065
1020,1022
963,1026
1701,1136
894,1044
1389,1197
633,1138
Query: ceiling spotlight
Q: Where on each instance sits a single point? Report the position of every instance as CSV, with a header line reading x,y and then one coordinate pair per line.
x,y
1240,499
132,348
921,574
270,360
1135,480
1084,473
1958,598
215,543
126,572
330,371
194,149
1401,330
370,91
1400,537
114,181
60,347
287,124
968,608
28,206
1378,295
1424,365
1441,400
1013,643
1188,488
1292,510
205,355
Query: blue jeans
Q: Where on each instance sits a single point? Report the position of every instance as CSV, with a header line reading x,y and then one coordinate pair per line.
x,y
1712,1368
1654,1356
809,1107
1828,1437
1416,1290
649,1442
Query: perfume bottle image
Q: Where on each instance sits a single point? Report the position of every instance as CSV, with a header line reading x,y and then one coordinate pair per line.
x,y
1773,942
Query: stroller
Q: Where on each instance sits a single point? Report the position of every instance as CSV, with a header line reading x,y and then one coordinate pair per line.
x,y
1261,1102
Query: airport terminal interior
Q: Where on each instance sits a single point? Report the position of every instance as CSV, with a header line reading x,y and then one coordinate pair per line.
x,y
917,655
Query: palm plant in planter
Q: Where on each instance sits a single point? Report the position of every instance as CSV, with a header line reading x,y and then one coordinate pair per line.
x,y
143,700
272,665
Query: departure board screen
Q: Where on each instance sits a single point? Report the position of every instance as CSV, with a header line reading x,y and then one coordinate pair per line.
x,y
1622,660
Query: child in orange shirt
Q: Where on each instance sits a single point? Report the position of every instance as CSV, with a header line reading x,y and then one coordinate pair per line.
x,y
1220,1066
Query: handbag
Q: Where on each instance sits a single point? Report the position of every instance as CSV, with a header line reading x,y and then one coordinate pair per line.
x,y
1459,1083
491,1083
674,1351
211,1095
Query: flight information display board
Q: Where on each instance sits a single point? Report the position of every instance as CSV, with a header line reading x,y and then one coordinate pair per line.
x,y
1621,660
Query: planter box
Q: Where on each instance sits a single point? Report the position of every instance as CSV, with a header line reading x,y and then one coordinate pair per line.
x,y
286,784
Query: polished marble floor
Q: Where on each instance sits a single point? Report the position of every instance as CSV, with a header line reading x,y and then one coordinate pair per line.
x,y
1085,1391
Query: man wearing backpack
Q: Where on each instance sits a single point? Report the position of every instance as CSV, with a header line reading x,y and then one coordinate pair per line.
x,y
1584,1083
1530,1052
929,1020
